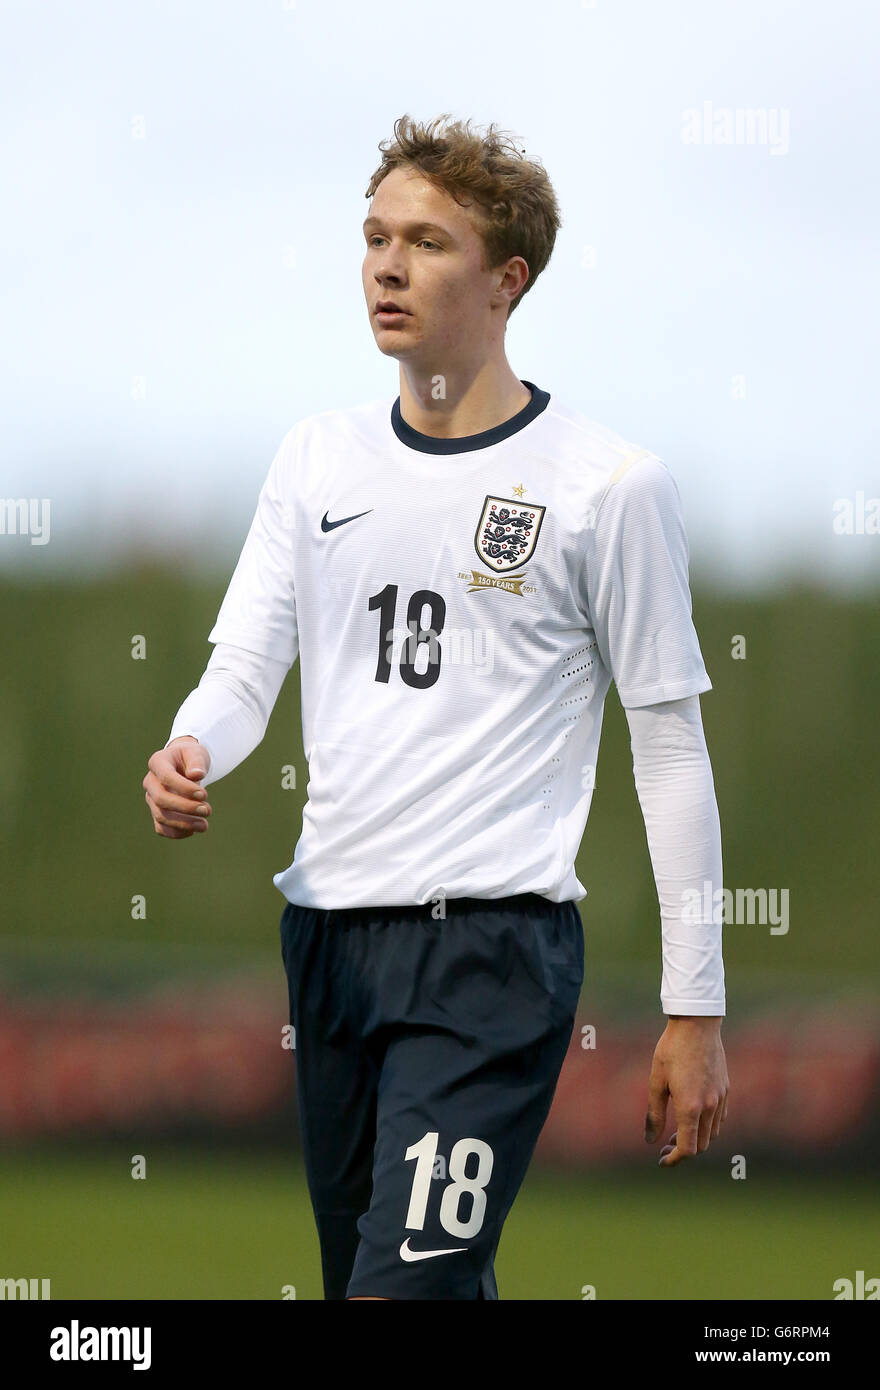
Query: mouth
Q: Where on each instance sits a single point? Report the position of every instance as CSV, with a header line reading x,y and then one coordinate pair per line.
x,y
389,312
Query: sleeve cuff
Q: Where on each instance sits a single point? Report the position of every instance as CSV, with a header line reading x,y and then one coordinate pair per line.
x,y
694,1008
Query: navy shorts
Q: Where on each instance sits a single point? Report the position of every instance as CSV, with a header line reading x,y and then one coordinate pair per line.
x,y
427,1054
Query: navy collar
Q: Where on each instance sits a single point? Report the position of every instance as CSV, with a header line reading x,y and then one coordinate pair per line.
x,y
430,444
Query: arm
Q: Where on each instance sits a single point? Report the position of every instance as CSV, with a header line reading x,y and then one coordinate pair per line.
x,y
673,777
228,712
638,600
218,725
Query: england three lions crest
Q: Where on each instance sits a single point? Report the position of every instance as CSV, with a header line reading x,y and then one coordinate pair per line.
x,y
507,533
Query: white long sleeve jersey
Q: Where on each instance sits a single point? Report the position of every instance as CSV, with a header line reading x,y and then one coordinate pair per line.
x,y
459,608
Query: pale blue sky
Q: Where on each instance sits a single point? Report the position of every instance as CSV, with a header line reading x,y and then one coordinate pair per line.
x,y
163,258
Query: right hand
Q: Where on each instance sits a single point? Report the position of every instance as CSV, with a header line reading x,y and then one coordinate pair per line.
x,y
178,805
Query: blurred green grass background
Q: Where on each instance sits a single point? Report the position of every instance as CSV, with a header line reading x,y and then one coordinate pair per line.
x,y
237,1226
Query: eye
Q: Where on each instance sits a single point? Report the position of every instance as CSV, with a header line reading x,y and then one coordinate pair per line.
x,y
371,241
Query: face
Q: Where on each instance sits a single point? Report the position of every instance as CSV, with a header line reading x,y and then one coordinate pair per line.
x,y
424,253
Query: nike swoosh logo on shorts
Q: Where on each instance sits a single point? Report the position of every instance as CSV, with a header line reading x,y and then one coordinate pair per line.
x,y
331,525
410,1255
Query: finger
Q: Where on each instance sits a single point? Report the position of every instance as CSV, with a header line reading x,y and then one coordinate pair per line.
x,y
174,832
169,833
170,801
175,820
704,1130
173,781
655,1118
162,815
673,1158
158,792
195,761
180,822
685,1141
720,1115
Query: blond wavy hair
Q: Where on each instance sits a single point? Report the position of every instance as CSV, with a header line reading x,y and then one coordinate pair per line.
x,y
512,202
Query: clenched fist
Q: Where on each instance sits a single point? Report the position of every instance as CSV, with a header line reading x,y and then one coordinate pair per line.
x,y
178,805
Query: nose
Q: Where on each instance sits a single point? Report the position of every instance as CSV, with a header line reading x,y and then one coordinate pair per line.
x,y
389,277
388,268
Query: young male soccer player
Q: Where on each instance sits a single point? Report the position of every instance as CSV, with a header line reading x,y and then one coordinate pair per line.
x,y
462,571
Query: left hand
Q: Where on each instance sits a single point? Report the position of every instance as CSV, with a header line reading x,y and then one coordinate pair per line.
x,y
689,1067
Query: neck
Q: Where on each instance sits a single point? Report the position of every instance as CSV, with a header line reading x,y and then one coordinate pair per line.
x,y
465,401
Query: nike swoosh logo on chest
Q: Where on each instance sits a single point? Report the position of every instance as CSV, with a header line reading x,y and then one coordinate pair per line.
x,y
331,525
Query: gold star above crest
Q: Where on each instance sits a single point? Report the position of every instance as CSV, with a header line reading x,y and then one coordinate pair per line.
x,y
519,490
